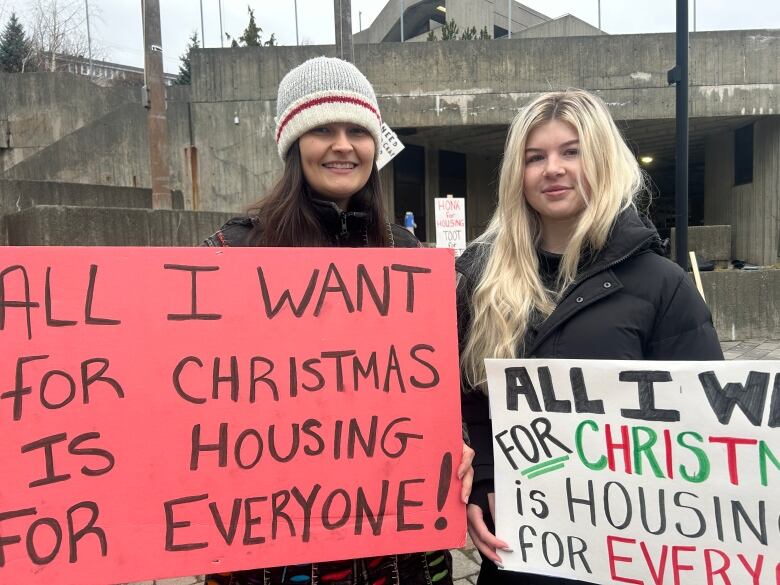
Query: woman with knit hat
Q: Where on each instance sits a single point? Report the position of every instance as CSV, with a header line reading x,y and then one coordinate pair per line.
x,y
328,134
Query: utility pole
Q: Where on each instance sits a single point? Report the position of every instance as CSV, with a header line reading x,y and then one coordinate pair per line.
x,y
599,14
401,2
296,22
342,10
509,19
155,103
221,32
679,75
202,32
89,38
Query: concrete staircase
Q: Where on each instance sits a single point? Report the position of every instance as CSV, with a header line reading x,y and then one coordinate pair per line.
x,y
44,213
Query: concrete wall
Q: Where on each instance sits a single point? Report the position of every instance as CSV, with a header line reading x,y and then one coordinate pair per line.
x,y
744,304
753,210
50,225
710,242
468,13
16,195
40,108
564,26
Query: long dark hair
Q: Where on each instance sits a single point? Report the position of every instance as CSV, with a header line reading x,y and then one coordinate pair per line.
x,y
286,216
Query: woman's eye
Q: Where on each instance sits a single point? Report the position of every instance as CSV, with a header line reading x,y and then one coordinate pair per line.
x,y
533,158
357,130
320,130
572,152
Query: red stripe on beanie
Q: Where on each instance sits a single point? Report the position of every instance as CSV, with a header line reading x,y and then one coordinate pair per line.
x,y
343,99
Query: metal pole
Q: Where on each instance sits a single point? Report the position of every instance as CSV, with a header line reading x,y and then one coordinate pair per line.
x,y
599,14
157,123
360,21
402,20
202,32
221,33
89,38
509,19
296,22
679,75
694,15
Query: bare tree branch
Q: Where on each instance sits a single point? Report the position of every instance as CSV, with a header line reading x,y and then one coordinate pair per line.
x,y
58,28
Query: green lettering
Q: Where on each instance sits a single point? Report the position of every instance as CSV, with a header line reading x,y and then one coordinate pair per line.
x,y
765,453
602,462
704,462
645,448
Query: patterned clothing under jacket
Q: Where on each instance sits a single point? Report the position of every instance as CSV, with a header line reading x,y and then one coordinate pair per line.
x,y
347,229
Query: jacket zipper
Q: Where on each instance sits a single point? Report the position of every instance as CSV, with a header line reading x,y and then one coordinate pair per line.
x,y
576,283
588,275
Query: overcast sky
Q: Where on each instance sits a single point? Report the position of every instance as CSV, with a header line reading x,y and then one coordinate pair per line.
x,y
117,26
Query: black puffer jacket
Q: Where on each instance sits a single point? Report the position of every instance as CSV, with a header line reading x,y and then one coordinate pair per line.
x,y
347,229
344,228
629,303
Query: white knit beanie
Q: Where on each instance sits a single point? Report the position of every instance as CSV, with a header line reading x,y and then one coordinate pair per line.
x,y
321,91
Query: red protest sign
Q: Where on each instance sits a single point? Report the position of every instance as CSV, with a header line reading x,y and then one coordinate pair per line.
x,y
178,411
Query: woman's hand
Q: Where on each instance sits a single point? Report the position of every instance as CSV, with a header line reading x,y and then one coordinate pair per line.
x,y
483,539
466,472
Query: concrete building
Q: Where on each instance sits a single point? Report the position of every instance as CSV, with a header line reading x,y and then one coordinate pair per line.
x,y
106,73
421,17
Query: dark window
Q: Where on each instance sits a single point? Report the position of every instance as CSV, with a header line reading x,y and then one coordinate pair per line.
x,y
452,174
499,32
743,155
409,180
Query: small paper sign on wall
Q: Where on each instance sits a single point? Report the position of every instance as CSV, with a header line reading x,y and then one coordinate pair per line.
x,y
450,217
638,472
389,147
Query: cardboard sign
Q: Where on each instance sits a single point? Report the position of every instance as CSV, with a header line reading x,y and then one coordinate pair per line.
x,y
174,411
389,147
638,472
450,217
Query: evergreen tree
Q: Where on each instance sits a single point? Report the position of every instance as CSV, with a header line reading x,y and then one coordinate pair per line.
x,y
484,35
449,32
252,33
15,48
185,69
469,34
432,36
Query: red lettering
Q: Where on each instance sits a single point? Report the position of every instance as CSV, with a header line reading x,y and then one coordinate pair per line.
x,y
668,446
676,566
658,576
613,558
731,453
753,571
624,446
721,571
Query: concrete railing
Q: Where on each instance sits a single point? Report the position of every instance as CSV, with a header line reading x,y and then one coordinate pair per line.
x,y
745,304
710,242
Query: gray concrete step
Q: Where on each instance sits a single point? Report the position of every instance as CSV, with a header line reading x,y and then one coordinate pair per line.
x,y
64,225
19,194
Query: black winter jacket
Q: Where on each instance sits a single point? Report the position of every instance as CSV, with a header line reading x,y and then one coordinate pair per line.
x,y
628,303
344,229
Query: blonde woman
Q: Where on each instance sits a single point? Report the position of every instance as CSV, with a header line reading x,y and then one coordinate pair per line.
x,y
566,269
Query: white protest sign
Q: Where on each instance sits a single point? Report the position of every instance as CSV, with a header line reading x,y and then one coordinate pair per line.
x,y
638,472
450,217
389,147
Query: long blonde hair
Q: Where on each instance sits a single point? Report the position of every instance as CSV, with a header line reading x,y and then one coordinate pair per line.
x,y
510,289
